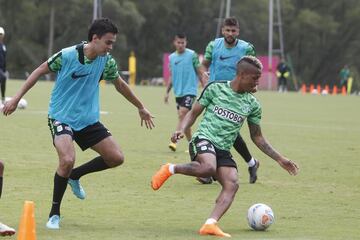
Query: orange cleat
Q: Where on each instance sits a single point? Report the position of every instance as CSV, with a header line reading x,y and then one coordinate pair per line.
x,y
212,229
160,177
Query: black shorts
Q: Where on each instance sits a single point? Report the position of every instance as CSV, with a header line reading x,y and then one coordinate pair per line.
x,y
185,101
199,146
85,138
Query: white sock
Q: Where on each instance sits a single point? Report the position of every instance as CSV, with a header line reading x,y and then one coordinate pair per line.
x,y
210,221
172,168
252,162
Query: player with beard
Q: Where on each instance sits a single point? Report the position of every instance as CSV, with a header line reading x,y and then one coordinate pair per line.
x,y
220,58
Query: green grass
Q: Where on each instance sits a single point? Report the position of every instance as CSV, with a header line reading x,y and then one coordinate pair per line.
x,y
320,133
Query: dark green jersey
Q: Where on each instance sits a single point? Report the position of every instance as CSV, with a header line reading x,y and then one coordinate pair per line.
x,y
225,113
110,71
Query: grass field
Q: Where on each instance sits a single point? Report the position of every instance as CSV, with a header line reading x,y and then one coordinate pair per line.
x,y
320,133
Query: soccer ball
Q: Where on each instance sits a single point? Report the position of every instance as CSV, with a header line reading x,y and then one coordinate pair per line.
x,y
260,216
22,104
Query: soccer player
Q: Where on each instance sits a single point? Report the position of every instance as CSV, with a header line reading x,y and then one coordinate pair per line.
x,y
227,104
74,109
282,73
185,72
221,56
4,229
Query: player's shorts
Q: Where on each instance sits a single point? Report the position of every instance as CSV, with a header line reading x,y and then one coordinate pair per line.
x,y
200,146
85,138
185,101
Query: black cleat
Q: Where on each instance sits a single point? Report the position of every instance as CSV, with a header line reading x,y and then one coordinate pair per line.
x,y
253,172
204,180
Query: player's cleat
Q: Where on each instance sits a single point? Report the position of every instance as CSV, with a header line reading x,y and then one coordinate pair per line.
x,y
204,180
172,146
6,230
53,222
76,188
160,176
212,229
253,172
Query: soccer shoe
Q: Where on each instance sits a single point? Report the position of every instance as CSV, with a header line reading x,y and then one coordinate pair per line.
x,y
6,230
53,222
253,172
212,229
160,176
204,180
76,188
172,146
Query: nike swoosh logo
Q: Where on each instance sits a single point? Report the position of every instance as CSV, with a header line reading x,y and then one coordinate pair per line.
x,y
226,57
75,76
176,63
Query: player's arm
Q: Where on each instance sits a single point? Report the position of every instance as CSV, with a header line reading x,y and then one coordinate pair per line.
x,y
261,142
168,89
188,121
205,64
11,105
202,76
123,88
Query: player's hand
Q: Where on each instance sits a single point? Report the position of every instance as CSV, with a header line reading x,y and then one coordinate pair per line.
x,y
177,136
146,117
166,99
10,106
289,166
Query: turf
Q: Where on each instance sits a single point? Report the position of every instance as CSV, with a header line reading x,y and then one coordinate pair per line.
x,y
320,133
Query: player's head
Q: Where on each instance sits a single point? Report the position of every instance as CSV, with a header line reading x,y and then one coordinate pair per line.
x,y
180,42
230,30
2,33
102,33
248,72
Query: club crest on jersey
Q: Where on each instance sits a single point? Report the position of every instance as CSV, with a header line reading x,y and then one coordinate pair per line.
x,y
227,114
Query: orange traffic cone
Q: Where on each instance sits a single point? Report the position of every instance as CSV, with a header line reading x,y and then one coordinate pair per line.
x,y
311,88
327,88
343,91
334,92
303,88
27,223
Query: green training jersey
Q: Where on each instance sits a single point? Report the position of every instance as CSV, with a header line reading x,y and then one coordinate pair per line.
x,y
225,113
110,73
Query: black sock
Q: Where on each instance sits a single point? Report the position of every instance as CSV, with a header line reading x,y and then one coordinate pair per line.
x,y
60,184
95,165
241,148
1,183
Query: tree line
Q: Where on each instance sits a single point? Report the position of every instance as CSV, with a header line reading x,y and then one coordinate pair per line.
x,y
320,36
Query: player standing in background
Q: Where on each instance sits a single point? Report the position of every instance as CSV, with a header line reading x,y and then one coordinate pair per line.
x,y
185,72
4,230
2,65
227,104
74,109
221,56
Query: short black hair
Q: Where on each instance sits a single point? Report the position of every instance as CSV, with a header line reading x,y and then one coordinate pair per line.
x,y
100,27
231,21
180,35
244,62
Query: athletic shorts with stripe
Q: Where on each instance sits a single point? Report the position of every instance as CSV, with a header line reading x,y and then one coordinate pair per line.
x,y
85,138
200,146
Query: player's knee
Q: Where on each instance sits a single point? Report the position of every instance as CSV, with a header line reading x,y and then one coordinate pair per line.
x,y
232,186
115,160
67,163
207,170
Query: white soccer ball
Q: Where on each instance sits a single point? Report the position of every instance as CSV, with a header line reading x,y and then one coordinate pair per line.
x,y
22,104
260,216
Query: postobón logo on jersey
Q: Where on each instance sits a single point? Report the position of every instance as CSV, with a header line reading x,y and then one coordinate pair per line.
x,y
227,114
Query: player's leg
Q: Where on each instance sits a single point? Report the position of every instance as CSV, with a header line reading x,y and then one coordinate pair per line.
x,y
63,142
203,165
181,114
1,176
253,164
227,177
2,85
